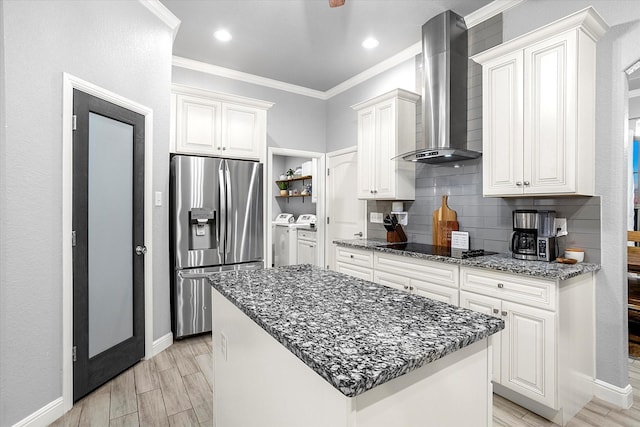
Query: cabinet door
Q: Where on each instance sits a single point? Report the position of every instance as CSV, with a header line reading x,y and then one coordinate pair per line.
x,y
391,280
240,131
550,112
386,139
502,135
355,271
528,352
366,153
433,291
490,306
198,129
306,252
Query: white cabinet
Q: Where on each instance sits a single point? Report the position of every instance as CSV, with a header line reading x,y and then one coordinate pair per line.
x,y
307,247
435,280
544,358
215,124
539,110
354,262
386,129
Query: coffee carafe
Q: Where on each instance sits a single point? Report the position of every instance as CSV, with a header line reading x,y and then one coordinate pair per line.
x,y
546,236
524,239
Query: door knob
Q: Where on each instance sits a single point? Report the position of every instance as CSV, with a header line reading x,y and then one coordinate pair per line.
x,y
141,250
358,234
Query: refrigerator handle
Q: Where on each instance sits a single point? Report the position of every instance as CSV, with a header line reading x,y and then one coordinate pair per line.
x,y
228,209
222,220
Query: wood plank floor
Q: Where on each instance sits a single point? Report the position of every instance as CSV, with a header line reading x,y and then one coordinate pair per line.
x,y
175,388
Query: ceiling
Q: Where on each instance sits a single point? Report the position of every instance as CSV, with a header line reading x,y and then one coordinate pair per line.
x,y
303,42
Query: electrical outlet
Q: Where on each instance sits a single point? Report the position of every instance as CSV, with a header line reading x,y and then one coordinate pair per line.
x,y
560,226
375,217
223,345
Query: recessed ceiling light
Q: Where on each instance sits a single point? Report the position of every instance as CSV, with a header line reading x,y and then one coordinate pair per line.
x,y
370,43
222,35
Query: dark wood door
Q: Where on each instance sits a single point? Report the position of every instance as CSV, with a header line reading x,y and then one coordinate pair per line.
x,y
108,254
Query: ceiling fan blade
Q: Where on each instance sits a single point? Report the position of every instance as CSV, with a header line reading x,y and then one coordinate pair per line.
x,y
336,3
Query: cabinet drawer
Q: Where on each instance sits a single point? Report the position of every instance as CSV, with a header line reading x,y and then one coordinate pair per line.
x,y
433,272
354,256
307,235
364,273
525,290
392,280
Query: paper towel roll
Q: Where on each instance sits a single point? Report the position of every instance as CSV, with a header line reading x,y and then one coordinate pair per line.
x,y
397,207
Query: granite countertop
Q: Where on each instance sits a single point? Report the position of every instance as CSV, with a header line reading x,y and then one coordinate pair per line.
x,y
499,262
354,333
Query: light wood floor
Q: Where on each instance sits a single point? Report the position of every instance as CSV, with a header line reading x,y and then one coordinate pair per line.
x,y
175,389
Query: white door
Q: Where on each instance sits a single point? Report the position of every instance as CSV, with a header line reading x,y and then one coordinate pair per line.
x,y
528,352
492,307
346,214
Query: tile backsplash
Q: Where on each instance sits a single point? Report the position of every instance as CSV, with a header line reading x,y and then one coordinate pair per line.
x,y
488,220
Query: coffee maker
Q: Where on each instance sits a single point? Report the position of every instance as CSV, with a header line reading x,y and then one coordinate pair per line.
x,y
524,239
546,236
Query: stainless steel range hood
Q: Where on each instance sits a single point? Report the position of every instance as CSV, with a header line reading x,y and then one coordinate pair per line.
x,y
444,92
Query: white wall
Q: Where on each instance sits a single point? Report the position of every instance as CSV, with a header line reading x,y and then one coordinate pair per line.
x,y
294,121
123,48
616,51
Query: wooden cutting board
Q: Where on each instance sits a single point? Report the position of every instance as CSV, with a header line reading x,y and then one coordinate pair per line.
x,y
445,220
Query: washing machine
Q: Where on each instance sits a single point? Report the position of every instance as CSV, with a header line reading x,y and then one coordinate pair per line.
x,y
285,237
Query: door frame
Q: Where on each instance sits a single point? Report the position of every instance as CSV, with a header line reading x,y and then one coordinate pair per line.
x,y
70,83
318,186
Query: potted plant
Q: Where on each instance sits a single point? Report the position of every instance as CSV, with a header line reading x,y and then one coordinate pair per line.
x,y
290,173
283,186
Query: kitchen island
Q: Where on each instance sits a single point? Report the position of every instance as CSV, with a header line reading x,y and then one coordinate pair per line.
x,y
304,346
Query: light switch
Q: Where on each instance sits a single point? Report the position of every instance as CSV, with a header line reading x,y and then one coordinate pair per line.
x,y
158,199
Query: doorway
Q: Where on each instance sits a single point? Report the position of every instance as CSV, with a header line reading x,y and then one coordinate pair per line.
x,y
71,83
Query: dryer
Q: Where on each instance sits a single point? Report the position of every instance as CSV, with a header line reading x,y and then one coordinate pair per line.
x,y
285,237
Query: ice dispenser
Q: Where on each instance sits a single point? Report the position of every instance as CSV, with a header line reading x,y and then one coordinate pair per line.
x,y
202,224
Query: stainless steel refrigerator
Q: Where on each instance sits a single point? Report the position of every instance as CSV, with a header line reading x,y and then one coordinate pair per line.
x,y
216,225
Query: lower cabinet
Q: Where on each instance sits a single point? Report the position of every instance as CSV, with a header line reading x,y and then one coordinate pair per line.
x,y
544,357
524,352
355,262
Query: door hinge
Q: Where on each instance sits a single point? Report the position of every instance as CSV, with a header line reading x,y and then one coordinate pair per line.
x,y
327,220
73,353
328,173
73,122
73,238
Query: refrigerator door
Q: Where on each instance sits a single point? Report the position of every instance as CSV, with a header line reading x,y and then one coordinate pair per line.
x,y
196,223
243,214
192,298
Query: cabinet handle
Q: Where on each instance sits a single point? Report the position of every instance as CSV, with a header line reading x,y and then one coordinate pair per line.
x,y
526,183
518,183
406,287
500,285
219,148
496,311
504,313
411,288
351,256
371,191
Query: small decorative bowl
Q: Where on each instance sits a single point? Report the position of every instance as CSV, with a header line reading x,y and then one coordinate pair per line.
x,y
574,253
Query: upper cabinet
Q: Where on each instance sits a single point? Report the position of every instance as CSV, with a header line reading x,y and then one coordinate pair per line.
x,y
538,110
215,124
386,128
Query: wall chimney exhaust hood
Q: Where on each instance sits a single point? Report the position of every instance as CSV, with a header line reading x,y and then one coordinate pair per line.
x,y
444,92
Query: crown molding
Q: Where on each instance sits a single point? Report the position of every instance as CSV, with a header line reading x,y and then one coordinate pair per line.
x,y
490,10
216,70
494,8
163,13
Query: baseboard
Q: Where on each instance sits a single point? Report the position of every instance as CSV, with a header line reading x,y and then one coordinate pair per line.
x,y
43,416
161,344
622,397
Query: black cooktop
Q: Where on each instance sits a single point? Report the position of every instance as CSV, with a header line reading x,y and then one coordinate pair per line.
x,y
438,250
